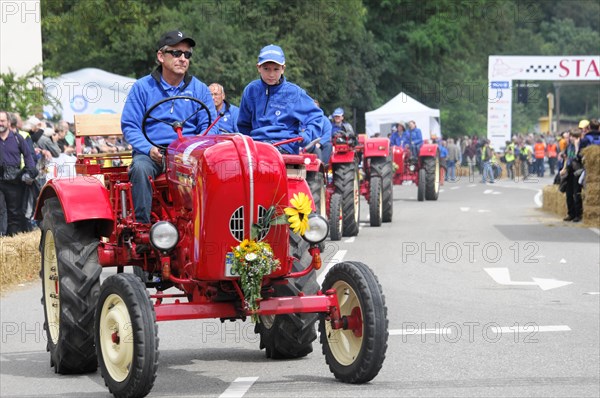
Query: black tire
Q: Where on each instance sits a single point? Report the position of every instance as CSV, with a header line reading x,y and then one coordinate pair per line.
x,y
385,169
291,335
316,182
126,336
335,217
432,169
345,179
375,201
352,358
70,284
140,273
421,185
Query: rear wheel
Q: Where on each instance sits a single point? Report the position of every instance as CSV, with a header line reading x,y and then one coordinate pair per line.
x,y
432,169
375,201
335,217
291,335
126,336
316,182
421,186
70,285
355,355
346,183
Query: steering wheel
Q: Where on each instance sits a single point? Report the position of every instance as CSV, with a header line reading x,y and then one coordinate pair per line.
x,y
175,124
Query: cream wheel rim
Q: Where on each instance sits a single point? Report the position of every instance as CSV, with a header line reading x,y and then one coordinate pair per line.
x,y
51,287
344,344
116,337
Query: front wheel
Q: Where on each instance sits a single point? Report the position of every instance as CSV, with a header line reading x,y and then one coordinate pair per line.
x,y
126,336
421,185
316,182
432,185
375,201
355,355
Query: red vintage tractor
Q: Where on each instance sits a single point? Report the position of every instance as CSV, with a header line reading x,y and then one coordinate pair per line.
x,y
424,170
218,193
377,184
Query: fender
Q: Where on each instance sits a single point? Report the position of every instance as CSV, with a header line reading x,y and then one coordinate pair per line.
x,y
342,157
379,146
312,162
82,198
428,150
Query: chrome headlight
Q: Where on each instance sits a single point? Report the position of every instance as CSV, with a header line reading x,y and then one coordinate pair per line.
x,y
411,167
318,228
164,236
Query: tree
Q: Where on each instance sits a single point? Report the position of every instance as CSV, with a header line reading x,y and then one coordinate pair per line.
x,y
23,94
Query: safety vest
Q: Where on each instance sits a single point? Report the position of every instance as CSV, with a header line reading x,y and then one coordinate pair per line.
x,y
552,153
484,152
539,150
510,153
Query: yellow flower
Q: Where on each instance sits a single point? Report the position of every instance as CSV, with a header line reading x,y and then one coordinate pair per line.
x,y
298,214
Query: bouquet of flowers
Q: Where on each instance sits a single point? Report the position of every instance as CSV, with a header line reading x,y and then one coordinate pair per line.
x,y
252,261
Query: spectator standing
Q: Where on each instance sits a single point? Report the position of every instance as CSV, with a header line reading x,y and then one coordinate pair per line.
x,y
539,152
571,171
170,78
592,136
228,122
552,151
13,177
524,159
509,156
452,160
273,109
487,153
471,156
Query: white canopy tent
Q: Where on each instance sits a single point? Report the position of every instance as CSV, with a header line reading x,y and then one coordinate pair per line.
x,y
87,91
403,108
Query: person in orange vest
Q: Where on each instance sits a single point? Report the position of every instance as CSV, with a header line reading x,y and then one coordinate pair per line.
x,y
552,151
539,153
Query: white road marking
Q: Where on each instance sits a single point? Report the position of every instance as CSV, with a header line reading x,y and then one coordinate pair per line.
x,y
238,387
563,261
350,240
488,191
596,230
440,191
465,209
483,211
496,193
471,186
447,330
502,277
538,198
454,188
337,258
592,293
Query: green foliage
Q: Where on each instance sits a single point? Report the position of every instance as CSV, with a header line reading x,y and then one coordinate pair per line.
x,y
23,94
350,53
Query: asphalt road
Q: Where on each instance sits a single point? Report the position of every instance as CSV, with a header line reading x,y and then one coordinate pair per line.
x,y
487,296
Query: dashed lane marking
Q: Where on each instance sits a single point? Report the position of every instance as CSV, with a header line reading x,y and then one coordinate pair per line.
x,y
238,387
596,230
537,199
350,240
465,209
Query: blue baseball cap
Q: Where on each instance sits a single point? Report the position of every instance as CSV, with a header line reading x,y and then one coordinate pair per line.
x,y
338,112
271,53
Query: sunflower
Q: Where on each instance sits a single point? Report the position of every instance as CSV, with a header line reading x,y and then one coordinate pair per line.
x,y
298,214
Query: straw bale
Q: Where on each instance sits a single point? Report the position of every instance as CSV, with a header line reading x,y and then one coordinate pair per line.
x,y
19,259
591,216
554,201
591,161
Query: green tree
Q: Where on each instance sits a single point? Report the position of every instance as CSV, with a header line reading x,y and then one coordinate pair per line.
x,y
23,94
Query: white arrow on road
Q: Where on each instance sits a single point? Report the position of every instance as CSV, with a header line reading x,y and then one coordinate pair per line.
x,y
502,276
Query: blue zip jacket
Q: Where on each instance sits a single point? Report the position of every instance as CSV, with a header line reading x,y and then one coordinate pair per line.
x,y
279,112
396,139
149,90
326,133
228,122
416,137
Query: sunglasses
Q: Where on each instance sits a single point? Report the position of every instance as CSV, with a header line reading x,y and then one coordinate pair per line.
x,y
177,53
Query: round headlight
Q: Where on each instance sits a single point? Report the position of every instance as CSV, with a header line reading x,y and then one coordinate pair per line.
x,y
164,236
318,228
411,167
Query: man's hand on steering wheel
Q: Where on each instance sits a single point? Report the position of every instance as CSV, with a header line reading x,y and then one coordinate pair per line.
x,y
156,155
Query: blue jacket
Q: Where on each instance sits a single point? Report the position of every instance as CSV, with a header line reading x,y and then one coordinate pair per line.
x,y
396,139
415,137
228,121
149,90
279,112
326,133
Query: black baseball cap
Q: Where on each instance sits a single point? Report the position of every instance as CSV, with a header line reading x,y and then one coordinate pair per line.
x,y
174,37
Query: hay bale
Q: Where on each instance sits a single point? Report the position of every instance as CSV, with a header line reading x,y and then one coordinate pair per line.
x,y
19,259
554,201
591,216
591,191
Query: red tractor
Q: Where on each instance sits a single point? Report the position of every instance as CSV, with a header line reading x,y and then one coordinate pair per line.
x,y
219,193
424,170
377,184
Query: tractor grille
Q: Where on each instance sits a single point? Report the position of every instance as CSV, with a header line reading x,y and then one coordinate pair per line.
x,y
236,224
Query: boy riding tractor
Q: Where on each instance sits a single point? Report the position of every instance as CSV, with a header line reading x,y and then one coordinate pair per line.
x,y
232,230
